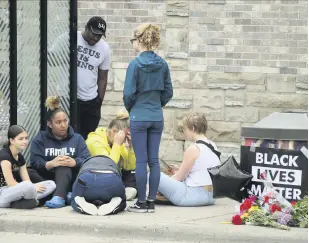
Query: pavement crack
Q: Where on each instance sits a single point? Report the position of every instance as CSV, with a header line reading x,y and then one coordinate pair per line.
x,y
210,217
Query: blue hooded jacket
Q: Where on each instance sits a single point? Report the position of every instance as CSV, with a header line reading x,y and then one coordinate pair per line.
x,y
147,87
45,147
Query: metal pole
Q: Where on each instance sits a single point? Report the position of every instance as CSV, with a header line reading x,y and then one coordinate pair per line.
x,y
43,63
73,65
13,61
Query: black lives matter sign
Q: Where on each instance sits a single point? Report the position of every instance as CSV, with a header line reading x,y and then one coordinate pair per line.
x,y
287,170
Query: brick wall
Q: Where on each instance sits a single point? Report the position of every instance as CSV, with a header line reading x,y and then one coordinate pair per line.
x,y
234,60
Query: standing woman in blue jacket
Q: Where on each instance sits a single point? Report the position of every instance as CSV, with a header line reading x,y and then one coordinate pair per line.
x,y
58,152
147,89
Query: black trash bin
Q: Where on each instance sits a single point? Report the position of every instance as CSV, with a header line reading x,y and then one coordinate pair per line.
x,y
278,144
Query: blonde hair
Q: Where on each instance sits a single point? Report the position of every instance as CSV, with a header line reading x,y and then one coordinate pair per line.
x,y
148,35
120,122
52,105
194,121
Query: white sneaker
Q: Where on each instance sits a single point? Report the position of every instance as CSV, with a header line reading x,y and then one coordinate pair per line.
x,y
86,207
110,207
130,193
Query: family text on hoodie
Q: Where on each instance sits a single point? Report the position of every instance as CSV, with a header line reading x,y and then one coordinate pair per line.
x,y
46,147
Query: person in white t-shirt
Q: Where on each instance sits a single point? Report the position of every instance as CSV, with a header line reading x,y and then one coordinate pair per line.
x,y
190,184
93,62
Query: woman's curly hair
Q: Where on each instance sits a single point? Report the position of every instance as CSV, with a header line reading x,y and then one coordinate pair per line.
x,y
148,35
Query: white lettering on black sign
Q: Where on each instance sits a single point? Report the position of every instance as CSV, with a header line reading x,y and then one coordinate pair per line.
x,y
287,170
287,193
278,176
283,160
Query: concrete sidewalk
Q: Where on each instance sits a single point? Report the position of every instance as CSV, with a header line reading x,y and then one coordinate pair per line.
x,y
169,223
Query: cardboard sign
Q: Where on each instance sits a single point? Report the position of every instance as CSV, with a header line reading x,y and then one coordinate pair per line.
x,y
286,169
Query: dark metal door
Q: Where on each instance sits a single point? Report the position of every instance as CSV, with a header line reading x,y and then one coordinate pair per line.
x,y
37,59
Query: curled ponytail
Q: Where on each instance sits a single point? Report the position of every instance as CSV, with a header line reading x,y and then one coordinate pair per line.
x,y
52,105
148,35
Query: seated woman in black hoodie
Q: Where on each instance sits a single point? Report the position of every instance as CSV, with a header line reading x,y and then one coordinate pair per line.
x,y
58,152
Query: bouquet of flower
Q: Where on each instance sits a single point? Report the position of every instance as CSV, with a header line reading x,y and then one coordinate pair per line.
x,y
272,210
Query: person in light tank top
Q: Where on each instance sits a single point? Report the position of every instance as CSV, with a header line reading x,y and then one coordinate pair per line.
x,y
190,184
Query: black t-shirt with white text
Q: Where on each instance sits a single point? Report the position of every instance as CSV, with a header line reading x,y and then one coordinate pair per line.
x,y
6,154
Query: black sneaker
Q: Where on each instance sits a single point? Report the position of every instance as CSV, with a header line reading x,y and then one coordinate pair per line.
x,y
25,204
150,206
138,207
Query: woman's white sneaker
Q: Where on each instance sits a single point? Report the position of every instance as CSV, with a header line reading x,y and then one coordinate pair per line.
x,y
110,207
86,207
130,193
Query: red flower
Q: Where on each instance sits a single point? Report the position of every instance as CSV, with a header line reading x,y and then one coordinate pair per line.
x,y
236,219
244,207
274,208
266,199
293,203
263,175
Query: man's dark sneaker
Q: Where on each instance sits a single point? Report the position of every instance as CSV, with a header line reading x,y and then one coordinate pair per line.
x,y
150,206
138,207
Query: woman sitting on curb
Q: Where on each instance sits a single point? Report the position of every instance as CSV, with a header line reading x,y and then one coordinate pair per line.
x,y
99,184
58,152
191,185
23,194
111,142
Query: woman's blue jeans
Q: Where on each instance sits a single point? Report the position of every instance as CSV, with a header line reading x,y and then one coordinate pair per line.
x,y
102,187
178,193
146,137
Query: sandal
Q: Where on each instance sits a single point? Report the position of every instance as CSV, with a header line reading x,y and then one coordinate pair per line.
x,y
55,202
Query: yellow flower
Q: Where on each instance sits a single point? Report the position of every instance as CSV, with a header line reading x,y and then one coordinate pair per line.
x,y
244,216
253,208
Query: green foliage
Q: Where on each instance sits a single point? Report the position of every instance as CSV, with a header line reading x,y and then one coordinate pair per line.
x,y
258,217
300,213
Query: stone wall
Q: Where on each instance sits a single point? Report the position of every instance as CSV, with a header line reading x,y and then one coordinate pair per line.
x,y
234,60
